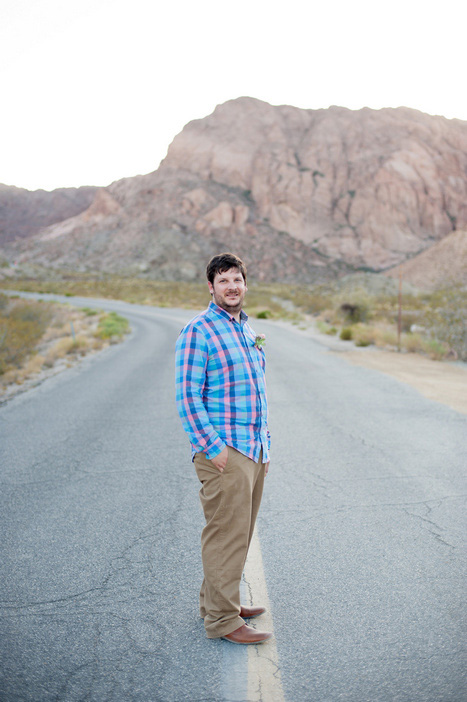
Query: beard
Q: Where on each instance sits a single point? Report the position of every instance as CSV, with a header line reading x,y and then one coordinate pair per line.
x,y
232,304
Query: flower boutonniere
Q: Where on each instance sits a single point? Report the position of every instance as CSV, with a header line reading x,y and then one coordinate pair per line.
x,y
260,341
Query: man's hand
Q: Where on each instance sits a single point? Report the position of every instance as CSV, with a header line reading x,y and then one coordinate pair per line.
x,y
266,469
220,461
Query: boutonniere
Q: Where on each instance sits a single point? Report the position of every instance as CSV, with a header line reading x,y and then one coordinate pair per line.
x,y
260,341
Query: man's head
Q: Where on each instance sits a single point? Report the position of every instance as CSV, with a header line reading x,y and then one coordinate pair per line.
x,y
226,274
222,263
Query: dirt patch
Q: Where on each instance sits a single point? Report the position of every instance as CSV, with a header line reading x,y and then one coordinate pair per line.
x,y
440,381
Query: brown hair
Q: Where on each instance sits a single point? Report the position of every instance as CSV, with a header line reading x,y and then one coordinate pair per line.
x,y
224,262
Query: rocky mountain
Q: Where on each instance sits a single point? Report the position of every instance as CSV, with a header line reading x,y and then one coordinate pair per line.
x,y
24,212
441,264
302,195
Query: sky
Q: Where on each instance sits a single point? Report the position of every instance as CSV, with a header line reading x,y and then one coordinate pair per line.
x,y
96,90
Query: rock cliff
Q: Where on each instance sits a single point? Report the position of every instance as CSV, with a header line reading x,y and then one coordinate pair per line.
x,y
367,187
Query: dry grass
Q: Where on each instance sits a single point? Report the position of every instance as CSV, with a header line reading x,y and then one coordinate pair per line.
x,y
34,365
35,336
65,346
22,325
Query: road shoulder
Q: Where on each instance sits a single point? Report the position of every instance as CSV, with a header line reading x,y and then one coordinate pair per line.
x,y
442,381
437,380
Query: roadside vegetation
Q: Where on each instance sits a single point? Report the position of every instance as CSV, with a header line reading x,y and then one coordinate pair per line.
x,y
362,308
432,323
37,336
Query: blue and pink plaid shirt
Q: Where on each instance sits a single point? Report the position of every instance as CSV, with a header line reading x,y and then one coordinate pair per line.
x,y
220,385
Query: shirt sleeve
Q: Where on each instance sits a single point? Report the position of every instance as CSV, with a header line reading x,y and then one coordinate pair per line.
x,y
191,357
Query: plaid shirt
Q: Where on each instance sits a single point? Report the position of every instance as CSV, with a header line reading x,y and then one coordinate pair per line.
x,y
221,387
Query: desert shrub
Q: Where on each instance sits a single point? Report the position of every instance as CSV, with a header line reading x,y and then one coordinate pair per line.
x,y
112,325
89,312
386,336
34,364
22,324
412,342
80,344
346,334
363,335
354,312
437,350
446,319
63,347
325,328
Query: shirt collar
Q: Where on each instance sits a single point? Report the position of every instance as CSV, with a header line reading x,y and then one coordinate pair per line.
x,y
223,313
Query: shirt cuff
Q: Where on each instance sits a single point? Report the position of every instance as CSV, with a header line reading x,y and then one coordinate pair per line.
x,y
215,450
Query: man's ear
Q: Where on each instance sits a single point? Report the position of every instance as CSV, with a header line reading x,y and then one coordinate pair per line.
x,y
211,289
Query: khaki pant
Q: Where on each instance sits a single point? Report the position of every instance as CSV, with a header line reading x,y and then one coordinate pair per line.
x,y
230,501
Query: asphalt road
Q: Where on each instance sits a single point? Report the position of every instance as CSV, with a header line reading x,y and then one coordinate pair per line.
x,y
362,533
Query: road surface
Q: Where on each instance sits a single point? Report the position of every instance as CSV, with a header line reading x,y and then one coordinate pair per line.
x,y
361,535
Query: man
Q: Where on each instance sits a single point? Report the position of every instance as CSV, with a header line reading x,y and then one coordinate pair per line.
x,y
221,399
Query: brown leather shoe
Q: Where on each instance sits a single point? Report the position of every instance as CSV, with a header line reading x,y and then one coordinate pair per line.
x,y
250,612
247,635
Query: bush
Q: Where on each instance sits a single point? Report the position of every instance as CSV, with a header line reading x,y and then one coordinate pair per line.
x,y
353,312
413,343
386,337
363,335
112,325
446,319
264,314
34,365
437,350
325,328
346,334
22,325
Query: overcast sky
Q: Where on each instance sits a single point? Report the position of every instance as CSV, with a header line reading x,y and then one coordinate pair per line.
x,y
95,90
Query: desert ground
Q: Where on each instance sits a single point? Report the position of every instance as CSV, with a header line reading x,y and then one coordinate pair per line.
x,y
438,380
442,381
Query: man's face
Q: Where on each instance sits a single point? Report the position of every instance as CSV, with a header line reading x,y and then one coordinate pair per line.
x,y
228,290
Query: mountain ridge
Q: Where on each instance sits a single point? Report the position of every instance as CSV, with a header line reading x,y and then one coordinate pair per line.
x,y
305,195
